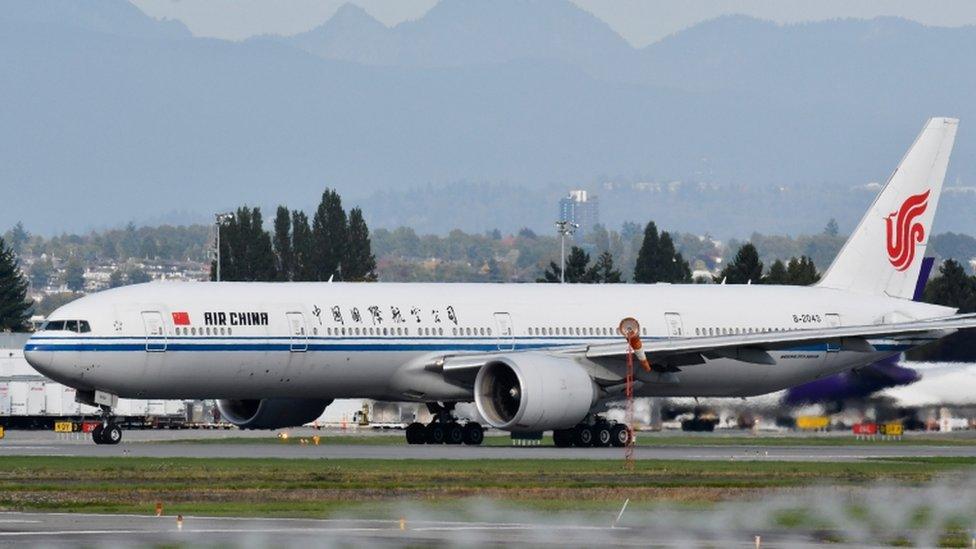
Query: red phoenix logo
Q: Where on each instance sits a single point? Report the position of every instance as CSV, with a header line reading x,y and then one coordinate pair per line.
x,y
903,232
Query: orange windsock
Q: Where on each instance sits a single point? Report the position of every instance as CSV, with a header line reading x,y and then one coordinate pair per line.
x,y
630,329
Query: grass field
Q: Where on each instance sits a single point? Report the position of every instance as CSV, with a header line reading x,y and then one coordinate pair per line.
x,y
644,439
317,488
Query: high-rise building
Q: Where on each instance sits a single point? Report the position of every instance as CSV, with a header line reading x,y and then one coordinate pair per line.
x,y
582,208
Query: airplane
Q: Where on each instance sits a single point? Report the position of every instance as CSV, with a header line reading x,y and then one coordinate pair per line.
x,y
532,357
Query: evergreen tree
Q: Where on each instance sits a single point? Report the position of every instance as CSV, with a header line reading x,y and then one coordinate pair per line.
x,y
329,237
745,268
284,259
576,263
245,248
802,272
15,307
952,288
602,272
647,270
576,268
359,263
74,275
831,229
673,265
17,238
301,246
777,274
658,261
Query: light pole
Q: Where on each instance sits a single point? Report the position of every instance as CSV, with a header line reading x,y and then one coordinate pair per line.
x,y
564,228
221,217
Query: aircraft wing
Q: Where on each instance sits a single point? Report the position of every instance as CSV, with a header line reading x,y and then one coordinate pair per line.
x,y
849,338
671,354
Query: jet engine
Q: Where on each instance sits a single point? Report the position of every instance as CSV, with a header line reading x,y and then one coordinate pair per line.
x,y
533,392
271,413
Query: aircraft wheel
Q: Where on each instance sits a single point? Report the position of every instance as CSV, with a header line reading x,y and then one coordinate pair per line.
x,y
416,433
473,434
582,436
601,435
619,435
454,434
111,434
435,433
562,438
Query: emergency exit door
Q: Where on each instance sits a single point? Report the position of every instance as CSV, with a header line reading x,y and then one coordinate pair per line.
x,y
298,332
505,331
675,328
155,331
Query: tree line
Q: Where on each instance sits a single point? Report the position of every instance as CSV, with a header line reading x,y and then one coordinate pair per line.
x,y
659,261
333,246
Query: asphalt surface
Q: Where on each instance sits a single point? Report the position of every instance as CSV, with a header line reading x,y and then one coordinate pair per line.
x,y
172,444
76,529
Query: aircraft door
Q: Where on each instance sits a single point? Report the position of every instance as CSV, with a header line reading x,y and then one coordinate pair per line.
x,y
505,331
833,321
675,327
298,332
155,331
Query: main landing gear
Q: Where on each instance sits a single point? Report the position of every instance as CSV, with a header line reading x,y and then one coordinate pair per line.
x,y
445,429
107,431
594,431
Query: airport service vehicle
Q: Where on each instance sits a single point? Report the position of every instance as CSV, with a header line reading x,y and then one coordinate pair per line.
x,y
532,357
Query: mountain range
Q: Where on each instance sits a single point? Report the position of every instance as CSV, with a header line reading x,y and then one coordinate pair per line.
x,y
110,115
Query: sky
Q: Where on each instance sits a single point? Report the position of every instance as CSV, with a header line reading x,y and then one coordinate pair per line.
x,y
641,22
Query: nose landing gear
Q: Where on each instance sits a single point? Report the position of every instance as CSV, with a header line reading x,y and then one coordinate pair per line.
x,y
107,432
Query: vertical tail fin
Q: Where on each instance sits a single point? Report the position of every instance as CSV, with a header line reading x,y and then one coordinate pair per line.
x,y
884,254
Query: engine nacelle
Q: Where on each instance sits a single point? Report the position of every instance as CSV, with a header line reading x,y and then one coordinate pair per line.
x,y
533,392
271,413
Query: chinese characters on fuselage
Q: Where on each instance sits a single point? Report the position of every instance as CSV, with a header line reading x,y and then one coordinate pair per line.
x,y
377,315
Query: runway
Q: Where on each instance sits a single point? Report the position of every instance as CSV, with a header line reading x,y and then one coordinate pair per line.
x,y
175,444
85,529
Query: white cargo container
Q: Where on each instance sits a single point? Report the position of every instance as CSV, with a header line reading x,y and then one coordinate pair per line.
x,y
4,398
36,398
130,407
54,399
18,398
156,407
68,405
174,407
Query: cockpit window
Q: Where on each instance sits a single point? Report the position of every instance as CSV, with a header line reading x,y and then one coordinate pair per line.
x,y
77,326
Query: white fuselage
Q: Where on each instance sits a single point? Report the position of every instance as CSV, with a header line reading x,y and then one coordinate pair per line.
x,y
376,340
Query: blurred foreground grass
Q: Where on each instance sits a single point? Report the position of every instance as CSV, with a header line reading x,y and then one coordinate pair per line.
x,y
362,487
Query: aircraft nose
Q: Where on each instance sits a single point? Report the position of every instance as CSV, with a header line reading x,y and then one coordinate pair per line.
x,y
41,358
